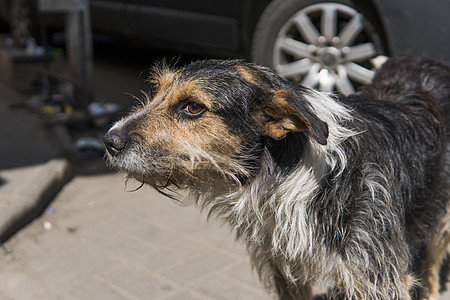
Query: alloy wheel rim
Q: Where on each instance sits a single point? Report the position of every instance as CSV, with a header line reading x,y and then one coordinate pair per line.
x,y
328,46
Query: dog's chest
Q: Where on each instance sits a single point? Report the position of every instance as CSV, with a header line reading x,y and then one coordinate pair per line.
x,y
288,232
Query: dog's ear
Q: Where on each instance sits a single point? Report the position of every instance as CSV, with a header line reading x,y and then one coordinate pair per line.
x,y
283,113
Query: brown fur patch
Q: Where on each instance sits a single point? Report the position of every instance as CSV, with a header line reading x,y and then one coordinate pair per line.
x,y
165,80
248,74
278,118
171,91
438,247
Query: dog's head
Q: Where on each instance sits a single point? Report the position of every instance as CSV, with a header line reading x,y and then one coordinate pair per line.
x,y
208,123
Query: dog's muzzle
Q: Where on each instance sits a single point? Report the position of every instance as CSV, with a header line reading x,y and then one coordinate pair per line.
x,y
115,142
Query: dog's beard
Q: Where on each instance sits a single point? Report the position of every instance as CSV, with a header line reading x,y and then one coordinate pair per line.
x,y
175,176
195,170
185,190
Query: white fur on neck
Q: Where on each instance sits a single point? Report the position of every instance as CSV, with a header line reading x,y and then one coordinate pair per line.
x,y
286,199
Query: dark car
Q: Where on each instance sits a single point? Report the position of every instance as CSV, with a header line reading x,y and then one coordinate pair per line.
x,y
328,45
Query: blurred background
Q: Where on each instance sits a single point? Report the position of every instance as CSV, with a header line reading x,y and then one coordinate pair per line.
x,y
77,61
69,68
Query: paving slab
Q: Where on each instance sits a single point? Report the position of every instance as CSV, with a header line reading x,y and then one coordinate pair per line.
x,y
98,241
25,191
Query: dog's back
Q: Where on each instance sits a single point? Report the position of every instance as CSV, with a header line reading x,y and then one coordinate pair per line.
x,y
413,76
420,87
420,83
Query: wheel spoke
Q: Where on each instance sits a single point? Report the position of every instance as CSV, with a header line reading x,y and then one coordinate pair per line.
x,y
295,48
326,80
378,61
312,78
299,67
351,30
343,84
307,28
329,22
361,52
359,73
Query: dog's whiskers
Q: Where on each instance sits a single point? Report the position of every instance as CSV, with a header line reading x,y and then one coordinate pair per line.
x,y
142,182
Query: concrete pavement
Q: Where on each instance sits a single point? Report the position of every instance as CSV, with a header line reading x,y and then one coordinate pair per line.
x,y
26,191
97,241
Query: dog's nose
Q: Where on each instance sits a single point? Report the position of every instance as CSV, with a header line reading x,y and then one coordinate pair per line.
x,y
114,141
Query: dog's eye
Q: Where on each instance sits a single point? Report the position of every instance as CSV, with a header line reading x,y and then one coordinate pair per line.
x,y
194,109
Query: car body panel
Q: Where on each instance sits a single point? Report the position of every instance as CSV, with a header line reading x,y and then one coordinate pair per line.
x,y
417,26
194,23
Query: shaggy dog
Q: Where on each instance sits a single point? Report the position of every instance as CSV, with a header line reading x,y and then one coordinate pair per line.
x,y
349,194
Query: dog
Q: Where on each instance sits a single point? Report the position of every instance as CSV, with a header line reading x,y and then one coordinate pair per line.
x,y
349,194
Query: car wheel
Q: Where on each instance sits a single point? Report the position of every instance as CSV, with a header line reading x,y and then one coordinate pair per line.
x,y
326,45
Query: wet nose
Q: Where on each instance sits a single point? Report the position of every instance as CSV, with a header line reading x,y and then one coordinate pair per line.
x,y
115,141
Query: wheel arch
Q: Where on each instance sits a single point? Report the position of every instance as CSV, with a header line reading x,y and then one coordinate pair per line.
x,y
377,18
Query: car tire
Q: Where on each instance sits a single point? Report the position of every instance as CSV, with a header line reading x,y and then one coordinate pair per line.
x,y
332,46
